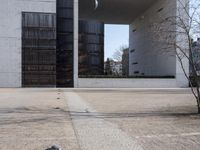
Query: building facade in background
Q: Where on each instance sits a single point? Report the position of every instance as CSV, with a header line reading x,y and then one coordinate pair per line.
x,y
113,68
29,33
196,56
125,62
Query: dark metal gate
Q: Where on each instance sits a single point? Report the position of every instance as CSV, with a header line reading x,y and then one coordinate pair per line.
x,y
38,50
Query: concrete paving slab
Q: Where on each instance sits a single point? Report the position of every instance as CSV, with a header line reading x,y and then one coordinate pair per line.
x,y
94,133
33,119
160,119
99,119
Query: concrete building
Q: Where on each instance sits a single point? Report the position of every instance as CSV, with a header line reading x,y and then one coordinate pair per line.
x,y
113,68
144,58
196,56
125,62
117,68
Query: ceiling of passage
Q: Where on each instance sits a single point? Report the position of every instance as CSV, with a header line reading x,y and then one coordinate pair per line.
x,y
113,11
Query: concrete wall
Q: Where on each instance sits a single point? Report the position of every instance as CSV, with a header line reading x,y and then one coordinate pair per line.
x,y
126,83
76,33
10,36
148,54
182,41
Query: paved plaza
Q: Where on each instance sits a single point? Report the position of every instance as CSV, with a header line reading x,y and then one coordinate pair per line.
x,y
99,119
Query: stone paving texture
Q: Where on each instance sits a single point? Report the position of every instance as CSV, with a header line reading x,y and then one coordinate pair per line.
x,y
155,119
94,133
34,119
94,119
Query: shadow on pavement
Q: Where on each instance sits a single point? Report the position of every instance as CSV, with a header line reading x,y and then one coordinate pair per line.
x,y
82,115
32,115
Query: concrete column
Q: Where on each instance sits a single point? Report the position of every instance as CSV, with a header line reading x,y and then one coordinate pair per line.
x,y
182,41
76,19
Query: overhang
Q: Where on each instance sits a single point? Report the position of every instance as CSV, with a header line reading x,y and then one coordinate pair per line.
x,y
113,11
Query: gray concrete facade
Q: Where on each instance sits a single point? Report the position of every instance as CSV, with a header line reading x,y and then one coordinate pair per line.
x,y
76,22
127,83
149,56
10,37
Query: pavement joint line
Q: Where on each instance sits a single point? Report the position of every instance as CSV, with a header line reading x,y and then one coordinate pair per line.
x,y
30,139
95,133
169,135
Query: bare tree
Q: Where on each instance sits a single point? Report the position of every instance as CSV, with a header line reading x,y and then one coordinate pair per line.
x,y
117,55
176,32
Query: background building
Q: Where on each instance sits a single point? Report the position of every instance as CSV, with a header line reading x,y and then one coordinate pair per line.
x,y
113,68
196,56
125,62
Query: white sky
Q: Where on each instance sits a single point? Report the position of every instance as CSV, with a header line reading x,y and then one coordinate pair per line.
x,y
115,36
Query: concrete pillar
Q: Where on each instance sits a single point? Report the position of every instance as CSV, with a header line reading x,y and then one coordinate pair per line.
x,y
182,41
76,19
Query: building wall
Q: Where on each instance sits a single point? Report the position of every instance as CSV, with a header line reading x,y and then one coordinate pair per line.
x,y
148,56
182,41
155,63
125,62
126,83
10,36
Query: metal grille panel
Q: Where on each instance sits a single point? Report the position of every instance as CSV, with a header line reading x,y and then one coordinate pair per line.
x,y
38,50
